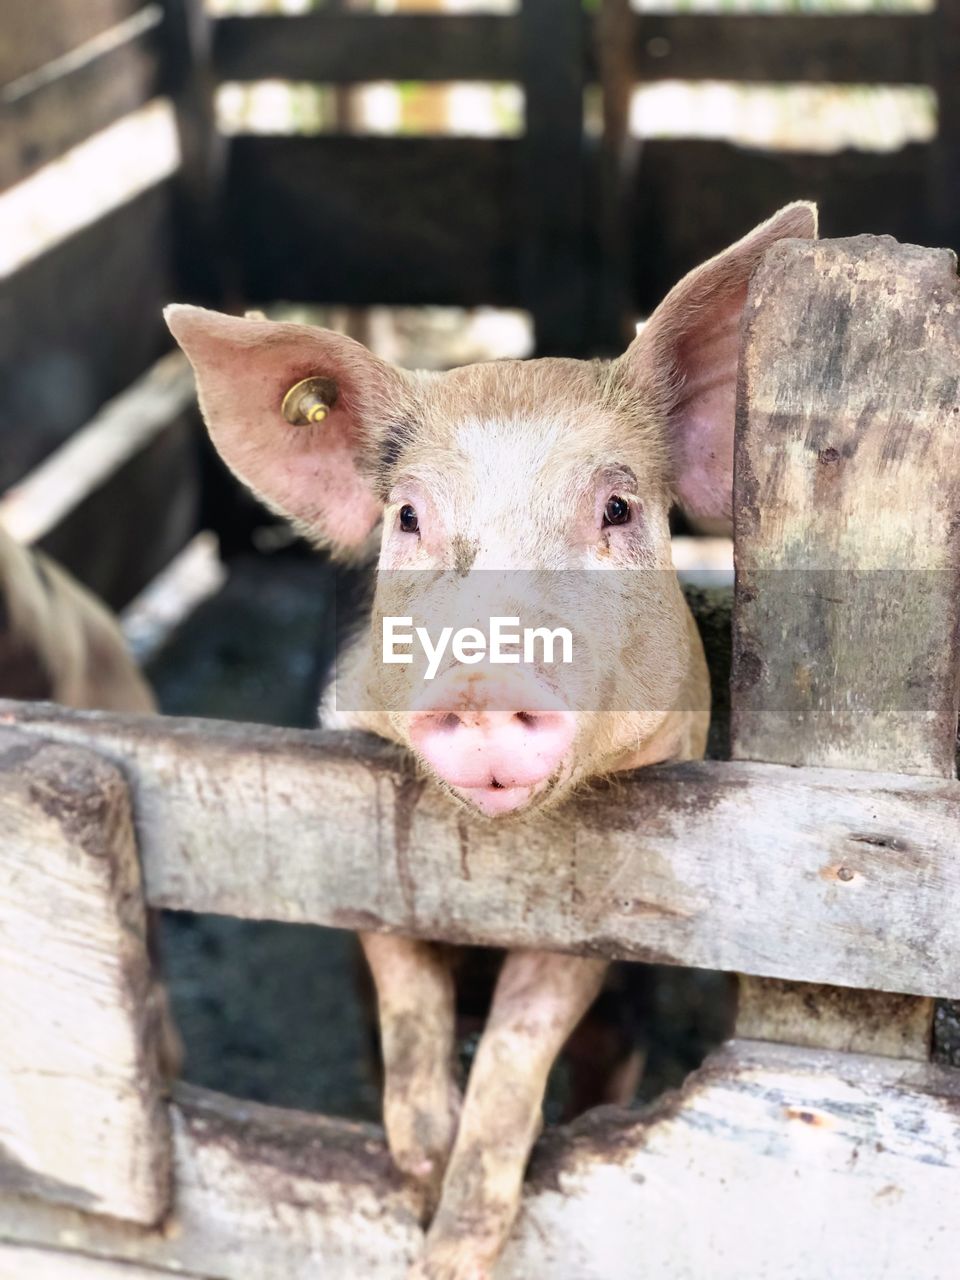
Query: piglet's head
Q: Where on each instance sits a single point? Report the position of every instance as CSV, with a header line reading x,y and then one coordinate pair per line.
x,y
513,485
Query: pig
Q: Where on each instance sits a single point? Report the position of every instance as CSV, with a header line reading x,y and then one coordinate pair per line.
x,y
58,643
507,466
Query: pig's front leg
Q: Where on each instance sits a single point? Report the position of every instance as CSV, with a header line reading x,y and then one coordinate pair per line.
x,y
539,1000
421,1101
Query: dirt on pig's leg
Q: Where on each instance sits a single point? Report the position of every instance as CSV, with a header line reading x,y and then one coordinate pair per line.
x,y
421,1100
539,1000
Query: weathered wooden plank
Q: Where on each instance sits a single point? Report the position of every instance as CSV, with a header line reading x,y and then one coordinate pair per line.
x,y
554,279
820,1017
260,1194
186,41
34,34
47,111
770,1162
363,220
945,158
348,48
772,48
848,458
20,1261
676,865
81,1115
676,228
135,467
848,586
77,325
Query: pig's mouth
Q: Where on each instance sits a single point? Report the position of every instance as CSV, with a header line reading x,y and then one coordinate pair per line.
x,y
496,799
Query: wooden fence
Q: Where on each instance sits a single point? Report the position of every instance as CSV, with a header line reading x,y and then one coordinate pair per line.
x,y
820,1142
582,232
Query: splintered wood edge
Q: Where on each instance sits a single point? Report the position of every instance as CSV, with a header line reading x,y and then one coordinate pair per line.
x,y
756,1122
97,1137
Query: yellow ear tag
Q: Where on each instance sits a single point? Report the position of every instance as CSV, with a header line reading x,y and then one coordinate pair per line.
x,y
309,401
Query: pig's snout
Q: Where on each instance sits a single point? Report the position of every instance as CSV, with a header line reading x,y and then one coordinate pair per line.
x,y
493,739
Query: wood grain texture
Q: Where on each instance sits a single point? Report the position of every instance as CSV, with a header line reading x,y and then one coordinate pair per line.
x,y
848,592
860,886
81,1115
134,467
848,484
771,1162
260,1194
48,111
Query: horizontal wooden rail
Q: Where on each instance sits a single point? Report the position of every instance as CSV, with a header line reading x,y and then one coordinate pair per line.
x,y
376,220
340,48
814,874
433,220
346,48
48,111
861,48
36,34
675,230
78,324
791,1155
134,468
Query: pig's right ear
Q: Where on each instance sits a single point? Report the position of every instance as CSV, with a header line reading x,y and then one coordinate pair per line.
x,y
685,361
317,472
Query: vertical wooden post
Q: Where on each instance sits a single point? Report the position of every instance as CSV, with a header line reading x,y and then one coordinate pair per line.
x,y
82,1115
846,506
944,23
552,176
188,79
613,44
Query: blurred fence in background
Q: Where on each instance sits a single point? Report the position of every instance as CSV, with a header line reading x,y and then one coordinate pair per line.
x,y
568,160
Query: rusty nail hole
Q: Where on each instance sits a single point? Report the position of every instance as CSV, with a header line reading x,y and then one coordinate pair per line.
x,y
844,874
829,456
806,1117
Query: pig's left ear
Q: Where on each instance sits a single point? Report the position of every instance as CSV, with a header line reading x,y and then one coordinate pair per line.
x,y
309,456
686,356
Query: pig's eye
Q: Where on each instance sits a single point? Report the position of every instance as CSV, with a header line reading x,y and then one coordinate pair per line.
x,y
617,511
408,519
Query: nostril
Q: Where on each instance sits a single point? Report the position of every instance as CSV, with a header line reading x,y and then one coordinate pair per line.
x,y
449,722
526,719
